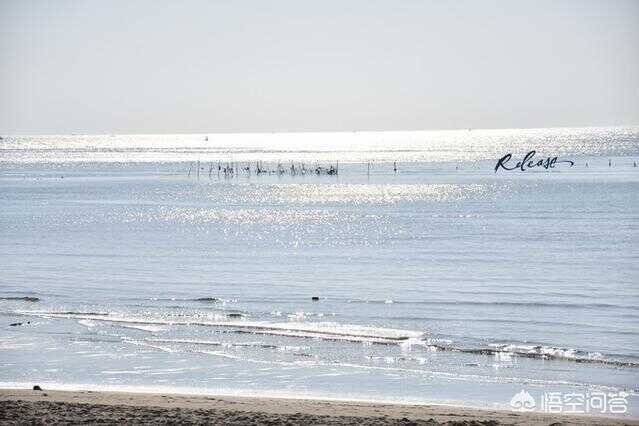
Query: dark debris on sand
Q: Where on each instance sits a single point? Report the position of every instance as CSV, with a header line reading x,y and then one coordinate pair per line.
x,y
43,412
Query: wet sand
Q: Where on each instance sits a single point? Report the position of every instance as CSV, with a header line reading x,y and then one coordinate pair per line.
x,y
54,407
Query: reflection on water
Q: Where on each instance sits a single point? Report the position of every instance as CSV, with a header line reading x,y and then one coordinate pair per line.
x,y
452,145
441,281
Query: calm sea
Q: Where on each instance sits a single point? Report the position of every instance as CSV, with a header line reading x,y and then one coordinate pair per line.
x,y
435,279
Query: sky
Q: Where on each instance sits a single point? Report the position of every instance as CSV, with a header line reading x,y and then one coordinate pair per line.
x,y
156,66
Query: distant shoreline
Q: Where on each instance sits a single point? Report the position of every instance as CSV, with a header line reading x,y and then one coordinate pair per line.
x,y
19,406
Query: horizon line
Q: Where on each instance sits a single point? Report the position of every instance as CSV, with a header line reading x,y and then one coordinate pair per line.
x,y
318,131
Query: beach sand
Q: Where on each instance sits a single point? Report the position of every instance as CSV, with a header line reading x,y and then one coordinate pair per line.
x,y
54,407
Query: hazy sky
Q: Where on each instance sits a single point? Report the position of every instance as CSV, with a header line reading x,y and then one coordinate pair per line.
x,y
141,66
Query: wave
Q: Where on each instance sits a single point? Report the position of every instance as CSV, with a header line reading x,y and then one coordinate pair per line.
x,y
209,299
261,345
387,301
496,303
315,361
321,330
505,351
22,298
330,331
606,327
143,327
484,378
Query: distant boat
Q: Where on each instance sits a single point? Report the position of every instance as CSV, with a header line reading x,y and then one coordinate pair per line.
x,y
206,138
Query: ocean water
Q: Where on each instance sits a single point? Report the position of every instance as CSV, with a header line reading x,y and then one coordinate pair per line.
x,y
441,281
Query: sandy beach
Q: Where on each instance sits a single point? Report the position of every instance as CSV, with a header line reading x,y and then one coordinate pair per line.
x,y
56,407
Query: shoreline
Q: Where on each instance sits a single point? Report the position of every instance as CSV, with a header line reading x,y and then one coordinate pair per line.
x,y
21,406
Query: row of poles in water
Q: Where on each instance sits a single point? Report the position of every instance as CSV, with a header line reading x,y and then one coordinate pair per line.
x,y
231,169
634,163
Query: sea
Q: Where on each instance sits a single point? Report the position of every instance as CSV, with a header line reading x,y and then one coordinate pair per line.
x,y
374,266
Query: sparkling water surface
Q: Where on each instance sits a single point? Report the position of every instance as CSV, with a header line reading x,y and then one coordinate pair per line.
x,y
440,282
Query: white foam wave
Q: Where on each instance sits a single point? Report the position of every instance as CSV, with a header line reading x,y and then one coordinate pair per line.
x,y
320,330
144,327
546,351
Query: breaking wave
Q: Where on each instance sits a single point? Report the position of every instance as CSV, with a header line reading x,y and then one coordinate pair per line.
x,y
331,331
320,330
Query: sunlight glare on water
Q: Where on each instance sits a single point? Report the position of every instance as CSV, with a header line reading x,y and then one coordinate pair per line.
x,y
416,273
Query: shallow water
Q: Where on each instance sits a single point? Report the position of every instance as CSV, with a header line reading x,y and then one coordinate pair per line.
x,y
443,281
